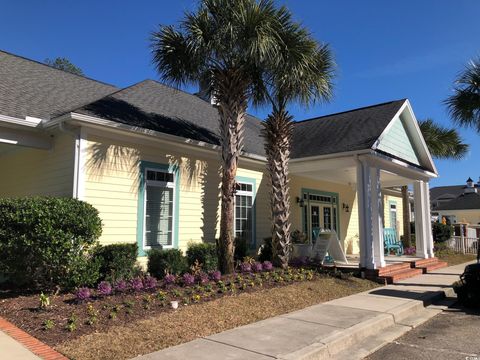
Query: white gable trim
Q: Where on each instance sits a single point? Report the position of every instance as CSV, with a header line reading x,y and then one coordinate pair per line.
x,y
418,142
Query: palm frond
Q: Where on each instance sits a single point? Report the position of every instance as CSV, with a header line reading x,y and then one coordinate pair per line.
x,y
464,105
442,142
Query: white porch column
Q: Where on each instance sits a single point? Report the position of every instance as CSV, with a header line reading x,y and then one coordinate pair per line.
x,y
423,227
370,207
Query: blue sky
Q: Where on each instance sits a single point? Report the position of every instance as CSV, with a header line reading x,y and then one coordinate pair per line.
x,y
384,50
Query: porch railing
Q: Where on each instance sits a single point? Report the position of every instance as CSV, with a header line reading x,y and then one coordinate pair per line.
x,y
463,244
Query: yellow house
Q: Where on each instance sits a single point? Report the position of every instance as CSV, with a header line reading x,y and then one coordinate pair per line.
x,y
457,203
147,157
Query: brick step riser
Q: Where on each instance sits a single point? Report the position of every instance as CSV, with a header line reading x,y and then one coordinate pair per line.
x,y
436,266
393,269
424,262
401,276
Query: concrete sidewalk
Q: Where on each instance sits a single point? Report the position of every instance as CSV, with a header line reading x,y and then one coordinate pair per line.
x,y
11,349
351,327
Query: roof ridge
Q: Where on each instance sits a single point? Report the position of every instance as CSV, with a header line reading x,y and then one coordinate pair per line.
x,y
351,110
51,67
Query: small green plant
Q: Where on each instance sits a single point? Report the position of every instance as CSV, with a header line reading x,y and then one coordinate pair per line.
x,y
176,293
148,301
186,300
48,324
161,296
196,298
112,315
128,304
44,301
72,322
92,314
222,288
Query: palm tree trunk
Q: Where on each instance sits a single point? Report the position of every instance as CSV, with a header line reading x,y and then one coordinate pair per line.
x,y
278,130
407,236
231,94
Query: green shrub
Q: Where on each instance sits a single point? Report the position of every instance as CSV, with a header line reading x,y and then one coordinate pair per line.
x,y
266,250
118,261
47,242
204,253
441,232
161,262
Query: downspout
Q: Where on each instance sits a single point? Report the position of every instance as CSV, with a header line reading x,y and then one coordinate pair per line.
x,y
76,167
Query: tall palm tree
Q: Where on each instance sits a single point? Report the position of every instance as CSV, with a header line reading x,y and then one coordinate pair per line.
x,y
443,143
304,74
225,44
464,104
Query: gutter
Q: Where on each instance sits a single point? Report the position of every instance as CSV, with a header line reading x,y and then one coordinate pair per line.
x,y
81,119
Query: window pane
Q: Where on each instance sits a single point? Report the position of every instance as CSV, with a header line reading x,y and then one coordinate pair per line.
x,y
158,216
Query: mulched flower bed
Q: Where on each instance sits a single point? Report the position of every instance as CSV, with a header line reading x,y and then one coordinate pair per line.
x,y
69,316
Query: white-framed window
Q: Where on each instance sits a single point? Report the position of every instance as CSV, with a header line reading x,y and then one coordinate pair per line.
x,y
244,212
159,202
393,215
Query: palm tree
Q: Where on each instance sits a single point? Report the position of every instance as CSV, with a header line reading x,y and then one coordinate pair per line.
x,y
225,44
464,104
304,74
443,143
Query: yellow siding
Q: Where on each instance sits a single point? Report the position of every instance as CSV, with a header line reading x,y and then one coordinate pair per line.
x,y
386,207
349,235
27,171
471,217
111,185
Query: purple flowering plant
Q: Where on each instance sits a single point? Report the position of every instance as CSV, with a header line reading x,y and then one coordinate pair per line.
x,y
188,279
245,267
216,275
121,286
136,284
149,283
257,267
169,279
267,266
104,288
83,294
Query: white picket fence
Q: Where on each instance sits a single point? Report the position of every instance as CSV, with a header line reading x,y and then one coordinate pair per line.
x,y
463,244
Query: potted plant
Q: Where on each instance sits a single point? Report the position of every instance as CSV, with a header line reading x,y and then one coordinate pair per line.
x,y
301,246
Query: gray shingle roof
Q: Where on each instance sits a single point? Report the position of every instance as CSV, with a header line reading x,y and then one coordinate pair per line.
x,y
154,106
468,201
346,131
439,191
30,88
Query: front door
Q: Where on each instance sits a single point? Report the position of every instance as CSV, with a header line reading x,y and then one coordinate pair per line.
x,y
320,217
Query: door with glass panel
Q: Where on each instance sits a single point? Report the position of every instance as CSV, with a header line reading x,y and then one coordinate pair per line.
x,y
159,209
320,214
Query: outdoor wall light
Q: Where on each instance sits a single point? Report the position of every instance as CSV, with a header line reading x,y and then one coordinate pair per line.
x,y
300,202
345,207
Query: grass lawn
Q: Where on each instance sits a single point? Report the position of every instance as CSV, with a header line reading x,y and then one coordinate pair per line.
x,y
453,258
169,328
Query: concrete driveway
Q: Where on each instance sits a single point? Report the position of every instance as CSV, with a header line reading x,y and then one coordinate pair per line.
x,y
452,334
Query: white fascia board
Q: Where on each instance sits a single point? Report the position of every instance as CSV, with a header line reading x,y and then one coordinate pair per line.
x,y
29,122
414,129
398,167
330,156
99,123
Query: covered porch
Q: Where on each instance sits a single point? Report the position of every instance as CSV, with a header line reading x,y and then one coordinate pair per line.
x,y
366,178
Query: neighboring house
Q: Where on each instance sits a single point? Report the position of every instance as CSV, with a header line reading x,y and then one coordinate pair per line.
x,y
147,157
458,203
